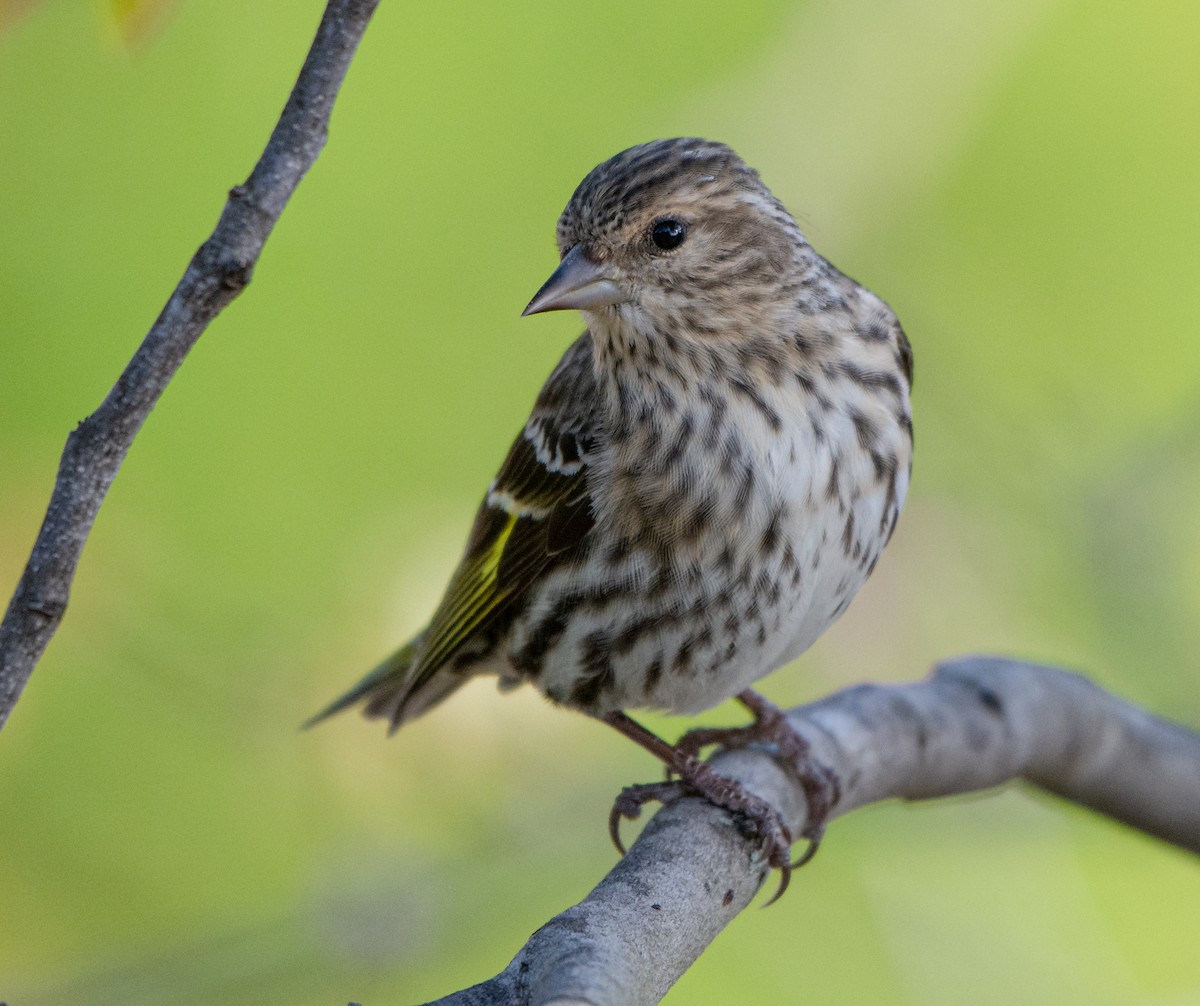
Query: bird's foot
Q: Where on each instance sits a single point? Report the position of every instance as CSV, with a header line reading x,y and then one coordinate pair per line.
x,y
694,778
771,726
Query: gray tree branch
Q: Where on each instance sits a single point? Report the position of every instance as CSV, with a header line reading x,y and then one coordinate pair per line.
x,y
218,272
975,723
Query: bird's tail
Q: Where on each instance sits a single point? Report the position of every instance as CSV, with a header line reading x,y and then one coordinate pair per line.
x,y
394,691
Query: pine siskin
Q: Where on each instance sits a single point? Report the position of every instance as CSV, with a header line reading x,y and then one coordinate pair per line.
x,y
707,478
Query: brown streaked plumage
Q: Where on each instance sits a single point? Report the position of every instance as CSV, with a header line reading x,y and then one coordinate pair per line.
x,y
706,479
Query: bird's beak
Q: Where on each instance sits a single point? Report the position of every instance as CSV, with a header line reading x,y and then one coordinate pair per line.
x,y
577,283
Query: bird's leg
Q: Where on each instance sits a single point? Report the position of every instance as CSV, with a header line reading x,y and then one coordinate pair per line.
x,y
771,726
695,778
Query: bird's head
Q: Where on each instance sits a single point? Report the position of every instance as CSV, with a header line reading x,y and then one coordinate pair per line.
x,y
674,235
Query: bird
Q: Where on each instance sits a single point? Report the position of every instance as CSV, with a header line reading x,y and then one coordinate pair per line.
x,y
705,480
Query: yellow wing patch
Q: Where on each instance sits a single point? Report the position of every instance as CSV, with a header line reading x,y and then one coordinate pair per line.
x,y
472,595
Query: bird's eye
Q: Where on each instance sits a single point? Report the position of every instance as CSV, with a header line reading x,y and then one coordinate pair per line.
x,y
668,233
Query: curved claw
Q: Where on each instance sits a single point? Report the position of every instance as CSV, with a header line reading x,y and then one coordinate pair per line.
x,y
615,816
686,775
778,843
614,829
631,799
805,857
785,878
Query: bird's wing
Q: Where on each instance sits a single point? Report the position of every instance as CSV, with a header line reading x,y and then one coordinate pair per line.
x,y
536,511
537,508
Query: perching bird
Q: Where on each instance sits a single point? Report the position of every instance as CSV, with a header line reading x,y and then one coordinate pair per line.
x,y
705,482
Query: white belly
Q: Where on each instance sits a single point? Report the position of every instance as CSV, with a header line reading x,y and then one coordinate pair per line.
x,y
684,627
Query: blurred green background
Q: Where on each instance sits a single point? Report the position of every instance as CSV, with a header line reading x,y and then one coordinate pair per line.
x,y
1019,178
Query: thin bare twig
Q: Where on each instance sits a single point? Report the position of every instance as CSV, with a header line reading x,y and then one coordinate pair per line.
x,y
976,723
218,272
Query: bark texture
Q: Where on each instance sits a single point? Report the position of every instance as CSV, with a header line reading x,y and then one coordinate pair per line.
x,y
218,272
974,724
